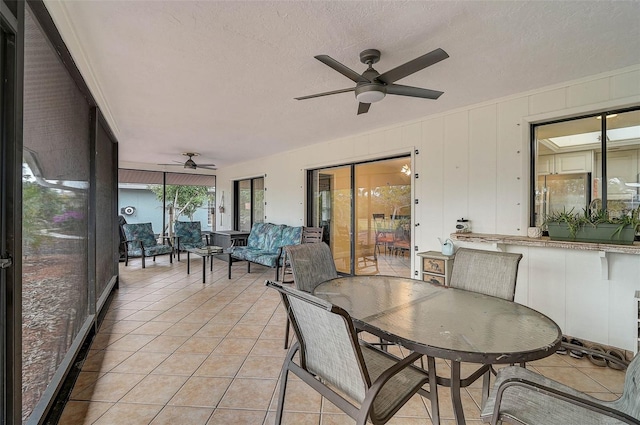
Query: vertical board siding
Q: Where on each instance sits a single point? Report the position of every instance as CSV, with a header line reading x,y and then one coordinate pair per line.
x,y
588,93
625,85
548,101
587,298
430,165
456,169
483,169
474,162
513,165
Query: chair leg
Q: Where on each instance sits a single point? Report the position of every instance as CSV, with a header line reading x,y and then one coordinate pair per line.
x,y
486,381
283,384
171,258
143,265
433,390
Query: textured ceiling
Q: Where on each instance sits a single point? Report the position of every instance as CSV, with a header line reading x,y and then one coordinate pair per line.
x,y
219,78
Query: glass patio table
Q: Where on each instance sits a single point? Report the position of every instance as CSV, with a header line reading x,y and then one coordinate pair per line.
x,y
206,253
447,323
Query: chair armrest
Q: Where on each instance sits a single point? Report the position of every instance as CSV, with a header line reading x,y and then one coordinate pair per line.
x,y
133,241
376,386
126,241
554,393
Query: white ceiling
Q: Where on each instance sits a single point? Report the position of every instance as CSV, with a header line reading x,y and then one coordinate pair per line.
x,y
219,78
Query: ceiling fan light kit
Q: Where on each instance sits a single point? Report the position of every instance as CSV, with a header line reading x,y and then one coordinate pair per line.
x,y
372,87
370,93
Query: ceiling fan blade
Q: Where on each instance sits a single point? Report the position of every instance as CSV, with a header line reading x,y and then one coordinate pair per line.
x,y
327,93
363,108
413,91
342,69
415,65
207,167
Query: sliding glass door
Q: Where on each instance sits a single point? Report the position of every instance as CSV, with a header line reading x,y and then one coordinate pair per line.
x,y
249,203
332,210
10,394
365,209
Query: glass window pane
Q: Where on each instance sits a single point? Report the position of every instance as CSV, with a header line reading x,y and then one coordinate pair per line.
x,y
244,205
332,208
258,200
623,180
566,178
383,217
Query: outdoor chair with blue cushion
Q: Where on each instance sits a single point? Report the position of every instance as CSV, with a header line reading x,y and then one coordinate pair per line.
x,y
142,242
188,235
333,361
264,245
521,396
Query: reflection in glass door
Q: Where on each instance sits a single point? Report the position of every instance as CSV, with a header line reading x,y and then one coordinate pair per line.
x,y
249,203
332,211
366,212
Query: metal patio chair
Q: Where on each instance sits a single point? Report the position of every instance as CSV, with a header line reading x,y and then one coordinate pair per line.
x,y
486,272
142,242
489,273
311,264
188,235
333,361
521,396
309,235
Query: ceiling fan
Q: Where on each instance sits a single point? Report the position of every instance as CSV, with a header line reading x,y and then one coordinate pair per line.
x,y
191,164
372,86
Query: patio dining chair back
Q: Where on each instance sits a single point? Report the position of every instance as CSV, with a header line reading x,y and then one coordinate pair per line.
x,y
142,242
486,272
311,264
332,360
489,273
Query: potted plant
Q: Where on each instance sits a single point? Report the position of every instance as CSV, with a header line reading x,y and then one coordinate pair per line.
x,y
593,226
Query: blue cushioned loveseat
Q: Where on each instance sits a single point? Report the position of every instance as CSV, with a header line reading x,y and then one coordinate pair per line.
x,y
264,245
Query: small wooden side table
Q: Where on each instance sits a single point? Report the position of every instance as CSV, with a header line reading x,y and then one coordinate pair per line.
x,y
436,267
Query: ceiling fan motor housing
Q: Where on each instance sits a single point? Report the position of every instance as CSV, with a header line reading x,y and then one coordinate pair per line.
x,y
370,56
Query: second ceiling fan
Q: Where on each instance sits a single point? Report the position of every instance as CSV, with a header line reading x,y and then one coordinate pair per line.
x,y
371,86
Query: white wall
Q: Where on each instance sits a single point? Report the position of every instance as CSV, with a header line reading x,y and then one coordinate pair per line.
x,y
474,163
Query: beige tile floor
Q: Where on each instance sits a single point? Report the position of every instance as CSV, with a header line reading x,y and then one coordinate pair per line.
x,y
172,350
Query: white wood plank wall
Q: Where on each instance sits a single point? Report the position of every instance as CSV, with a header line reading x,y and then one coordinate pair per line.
x,y
474,163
